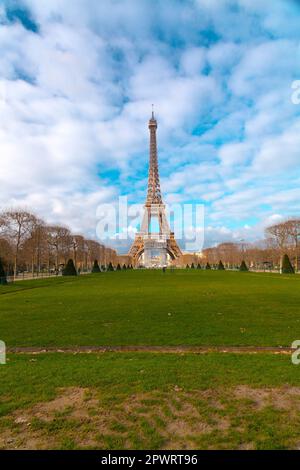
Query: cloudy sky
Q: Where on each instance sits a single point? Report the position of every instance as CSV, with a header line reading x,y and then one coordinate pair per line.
x,y
77,80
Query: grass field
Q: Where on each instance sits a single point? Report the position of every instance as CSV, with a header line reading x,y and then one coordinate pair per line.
x,y
117,401
152,308
151,400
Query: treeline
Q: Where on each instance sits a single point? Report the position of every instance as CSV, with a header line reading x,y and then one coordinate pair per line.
x,y
27,243
280,239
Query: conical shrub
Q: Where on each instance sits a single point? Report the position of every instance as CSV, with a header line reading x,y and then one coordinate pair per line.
x,y
198,266
243,266
124,267
221,266
119,267
69,269
287,267
3,279
192,266
208,266
187,266
110,267
96,268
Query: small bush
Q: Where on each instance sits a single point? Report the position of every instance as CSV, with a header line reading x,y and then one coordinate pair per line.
x,y
221,266
187,266
69,269
287,267
96,268
198,266
110,267
243,266
119,267
208,266
124,267
3,279
192,266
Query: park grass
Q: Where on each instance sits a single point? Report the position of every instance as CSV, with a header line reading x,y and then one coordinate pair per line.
x,y
152,401
135,400
185,307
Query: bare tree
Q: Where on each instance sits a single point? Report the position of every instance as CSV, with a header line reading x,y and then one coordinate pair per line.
x,y
293,231
280,234
59,240
78,244
16,226
93,252
26,240
35,247
6,253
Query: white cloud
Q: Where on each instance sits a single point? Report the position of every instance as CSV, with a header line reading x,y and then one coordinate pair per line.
x,y
236,153
265,67
280,152
193,60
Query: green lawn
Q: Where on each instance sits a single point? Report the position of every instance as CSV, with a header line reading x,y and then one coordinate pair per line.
x,y
151,401
185,307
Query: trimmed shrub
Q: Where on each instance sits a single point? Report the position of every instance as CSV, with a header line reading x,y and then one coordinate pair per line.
x,y
187,266
243,266
3,280
124,267
208,266
110,267
192,266
96,268
119,267
287,267
69,269
198,266
221,266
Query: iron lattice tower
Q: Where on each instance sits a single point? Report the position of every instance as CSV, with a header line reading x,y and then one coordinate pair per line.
x,y
154,192
146,242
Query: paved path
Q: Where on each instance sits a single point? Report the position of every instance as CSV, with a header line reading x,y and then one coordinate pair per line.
x,y
154,349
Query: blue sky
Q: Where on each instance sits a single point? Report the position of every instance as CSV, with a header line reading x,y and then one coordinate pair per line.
x,y
77,81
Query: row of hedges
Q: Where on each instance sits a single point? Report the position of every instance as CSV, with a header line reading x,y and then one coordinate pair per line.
x,y
70,269
220,267
286,268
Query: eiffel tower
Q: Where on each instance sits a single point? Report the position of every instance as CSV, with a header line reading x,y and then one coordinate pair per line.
x,y
154,249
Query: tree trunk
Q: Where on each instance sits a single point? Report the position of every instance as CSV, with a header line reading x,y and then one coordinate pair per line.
x,y
15,265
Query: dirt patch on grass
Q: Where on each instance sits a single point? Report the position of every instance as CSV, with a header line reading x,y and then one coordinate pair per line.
x,y
170,419
247,446
72,402
38,427
285,398
21,437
